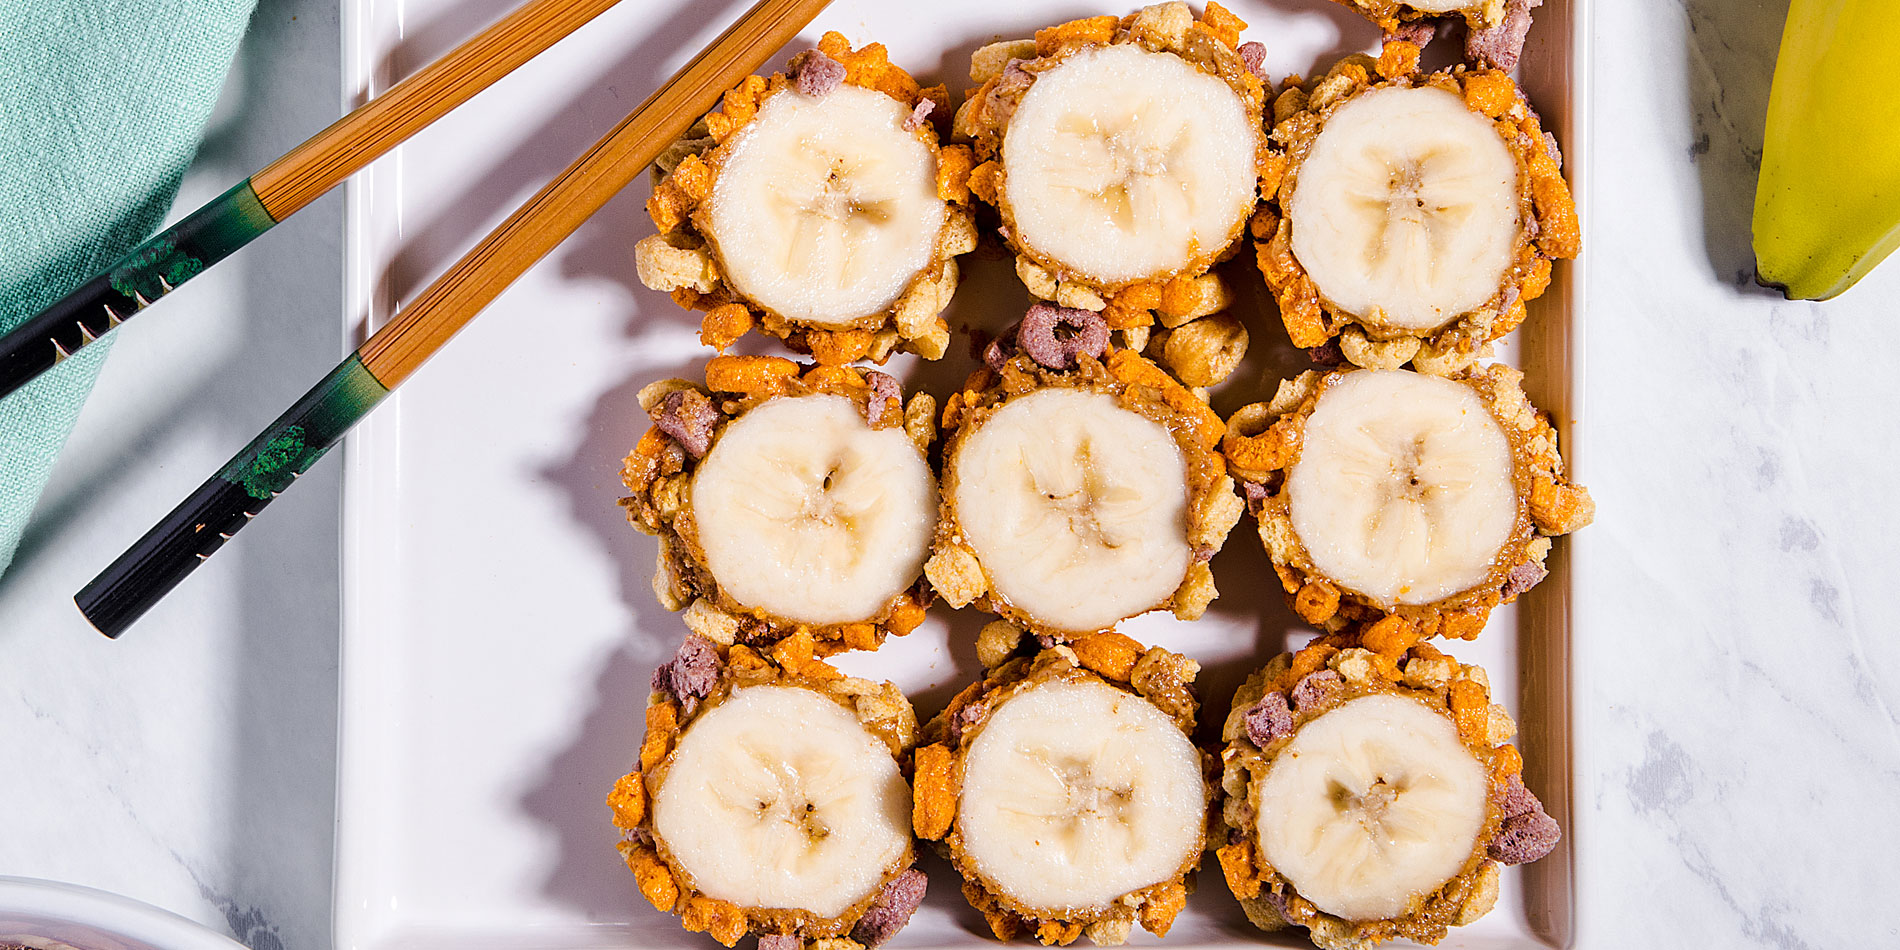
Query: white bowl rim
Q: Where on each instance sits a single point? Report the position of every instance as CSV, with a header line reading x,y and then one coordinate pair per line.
x,y
32,900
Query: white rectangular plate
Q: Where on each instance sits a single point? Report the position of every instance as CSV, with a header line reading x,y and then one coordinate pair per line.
x,y
499,626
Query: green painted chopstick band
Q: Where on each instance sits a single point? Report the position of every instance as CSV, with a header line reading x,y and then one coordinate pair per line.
x,y
148,272
203,522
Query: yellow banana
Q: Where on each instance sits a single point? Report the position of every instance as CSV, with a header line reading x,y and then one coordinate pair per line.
x,y
1827,207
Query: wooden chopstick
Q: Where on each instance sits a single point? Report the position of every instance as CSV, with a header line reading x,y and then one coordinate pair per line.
x,y
285,450
280,189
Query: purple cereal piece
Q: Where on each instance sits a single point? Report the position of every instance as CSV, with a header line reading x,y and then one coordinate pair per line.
x,y
1550,148
1518,800
781,942
919,115
965,718
1316,689
640,836
1417,32
891,909
1254,56
1269,719
688,416
1001,349
1525,838
1522,578
1256,495
1039,335
692,672
818,74
885,395
1235,836
1500,46
1203,553
1326,354
1046,641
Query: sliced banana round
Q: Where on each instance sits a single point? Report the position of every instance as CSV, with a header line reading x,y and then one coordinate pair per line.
x,y
807,512
1405,487
1075,506
1124,164
1405,211
1076,793
825,208
777,797
1371,806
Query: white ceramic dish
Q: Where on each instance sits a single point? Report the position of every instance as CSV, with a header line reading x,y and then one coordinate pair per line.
x,y
49,915
499,627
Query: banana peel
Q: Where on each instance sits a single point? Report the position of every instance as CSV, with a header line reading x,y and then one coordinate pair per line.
x,y
1827,206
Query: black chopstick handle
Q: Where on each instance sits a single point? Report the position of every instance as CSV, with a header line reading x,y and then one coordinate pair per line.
x,y
224,504
150,271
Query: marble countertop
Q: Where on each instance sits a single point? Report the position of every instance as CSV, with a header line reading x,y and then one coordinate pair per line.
x,y
1739,747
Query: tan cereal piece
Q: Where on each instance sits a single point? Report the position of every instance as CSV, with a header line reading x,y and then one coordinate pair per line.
x,y
1551,230
956,571
1421,673
1158,676
997,642
1006,70
1263,443
680,259
880,706
1205,352
658,474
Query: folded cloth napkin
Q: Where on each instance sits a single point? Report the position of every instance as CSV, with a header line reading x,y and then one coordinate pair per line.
x,y
101,106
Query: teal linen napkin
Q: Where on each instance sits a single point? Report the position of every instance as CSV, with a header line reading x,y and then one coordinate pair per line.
x,y
101,106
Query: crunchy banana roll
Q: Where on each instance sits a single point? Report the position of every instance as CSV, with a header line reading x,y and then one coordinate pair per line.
x,y
819,208
1494,29
771,799
1420,502
1368,797
1082,485
787,498
1066,790
1418,212
1123,155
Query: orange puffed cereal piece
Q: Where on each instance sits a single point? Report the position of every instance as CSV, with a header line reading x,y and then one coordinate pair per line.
x,y
1236,865
643,463
935,804
662,721
837,347
954,164
1398,58
905,617
1316,602
1471,708
628,800
723,920
1110,654
724,324
1390,636
1490,92
1058,933
985,180
750,375
1223,24
834,377
1507,762
1164,902
654,880
1132,370
1095,29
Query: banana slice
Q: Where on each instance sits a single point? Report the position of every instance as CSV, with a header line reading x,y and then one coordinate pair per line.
x,y
769,797
1371,806
805,511
825,209
1075,506
1077,793
1123,164
1393,495
821,208
1122,155
1370,796
1404,490
1405,211
787,498
1417,215
1068,792
779,798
